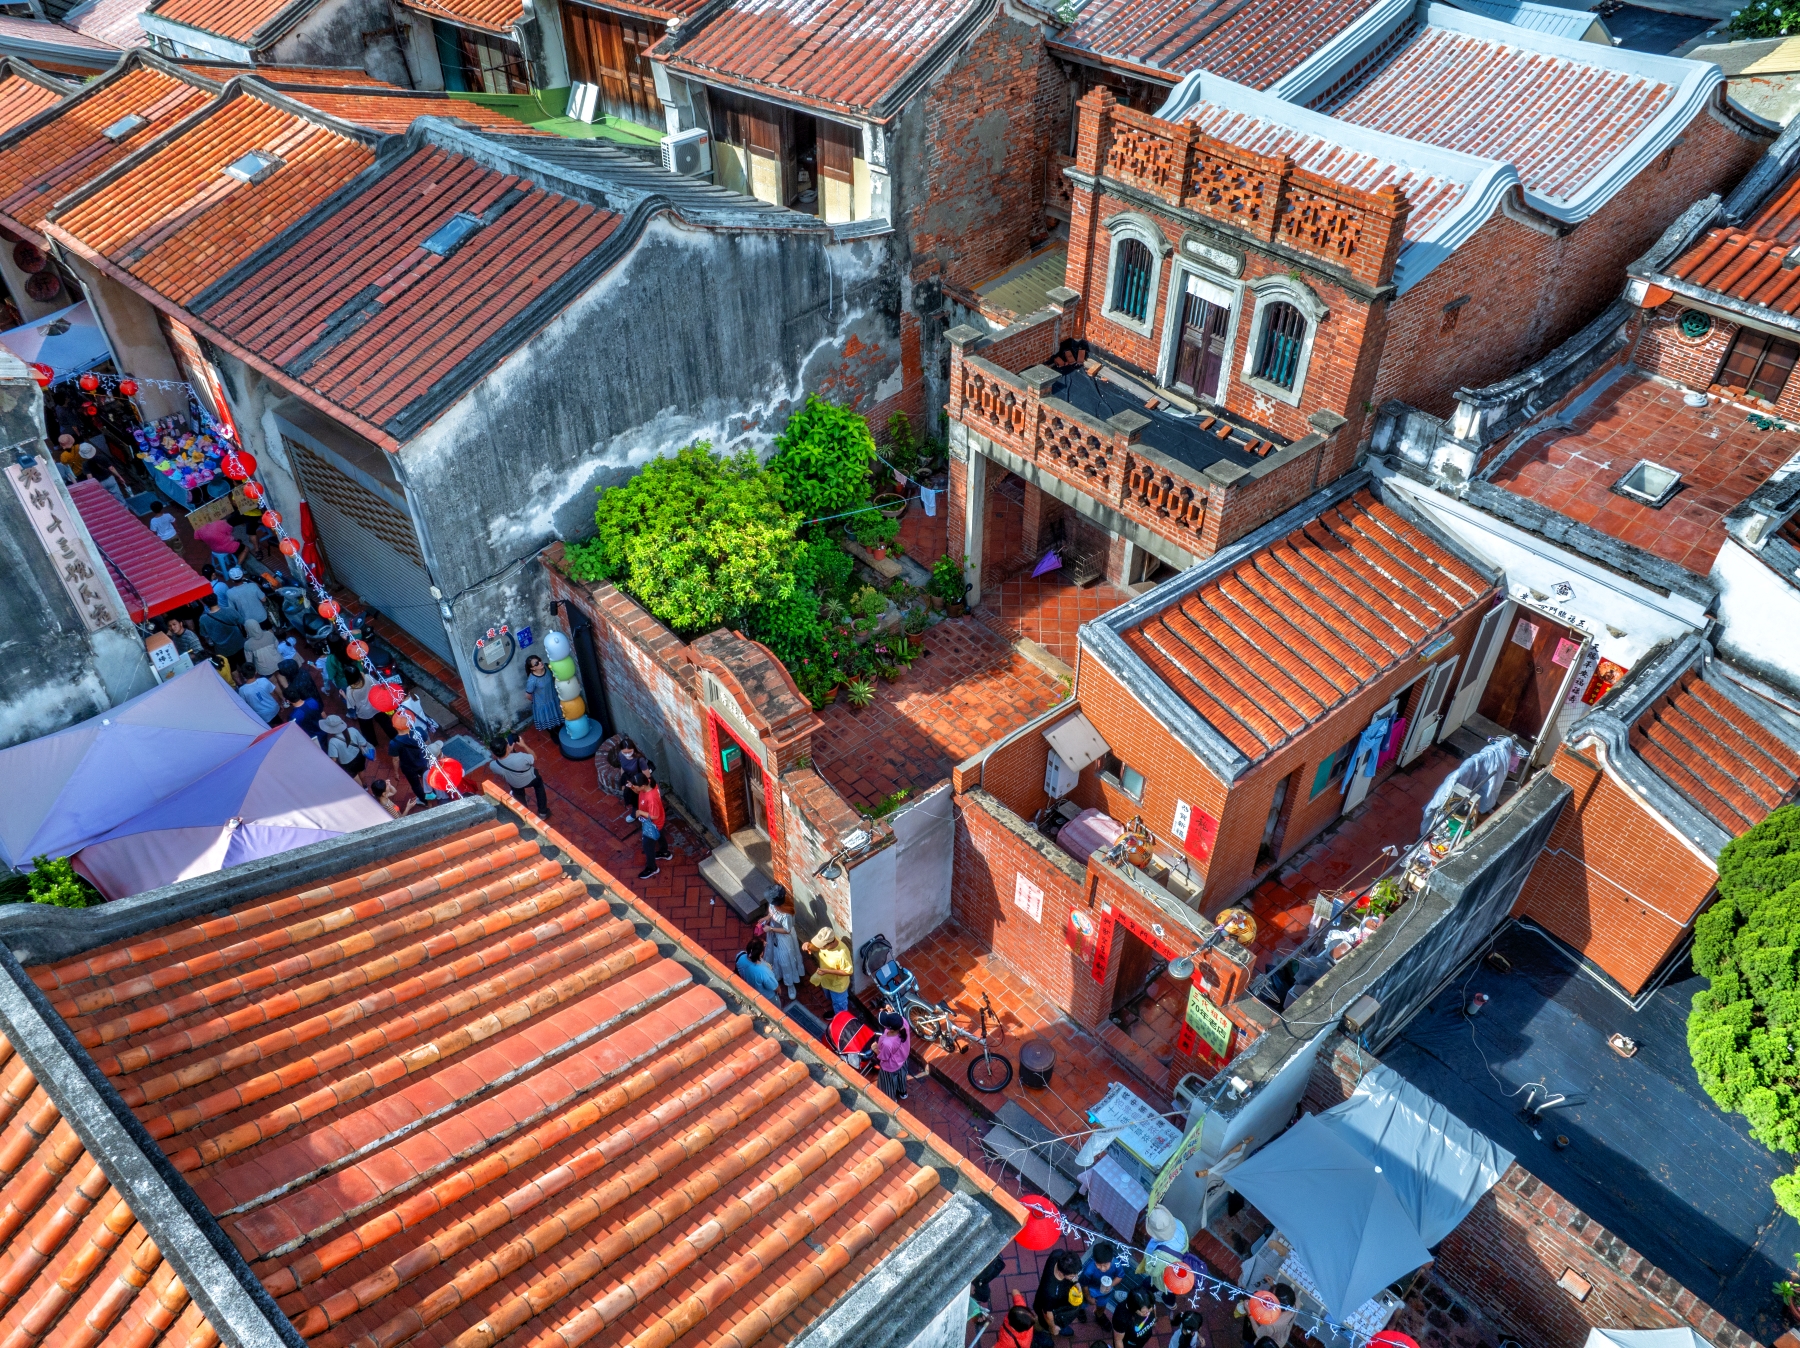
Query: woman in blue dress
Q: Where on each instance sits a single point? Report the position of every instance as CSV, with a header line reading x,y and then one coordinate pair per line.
x,y
546,708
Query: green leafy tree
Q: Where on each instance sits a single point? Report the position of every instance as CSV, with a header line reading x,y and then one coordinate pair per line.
x,y
55,882
698,539
822,459
1744,1029
1764,18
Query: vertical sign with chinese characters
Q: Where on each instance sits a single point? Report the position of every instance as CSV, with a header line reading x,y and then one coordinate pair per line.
x,y
50,514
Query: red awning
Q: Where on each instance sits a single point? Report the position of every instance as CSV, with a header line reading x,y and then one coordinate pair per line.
x,y
147,571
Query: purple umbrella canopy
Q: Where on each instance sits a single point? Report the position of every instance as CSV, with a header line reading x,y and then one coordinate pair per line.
x,y
58,792
281,793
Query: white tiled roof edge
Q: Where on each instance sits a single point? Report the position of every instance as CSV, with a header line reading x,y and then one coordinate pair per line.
x,y
1319,71
1487,181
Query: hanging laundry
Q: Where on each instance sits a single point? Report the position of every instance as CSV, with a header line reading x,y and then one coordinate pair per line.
x,y
929,496
1483,773
1367,751
1396,738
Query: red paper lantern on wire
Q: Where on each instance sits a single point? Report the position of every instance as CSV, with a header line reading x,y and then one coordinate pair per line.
x,y
385,696
272,518
289,547
253,490
1263,1308
1393,1338
445,775
42,373
357,650
402,721
237,465
89,382
1179,1279
89,408
1042,1229
128,387
328,610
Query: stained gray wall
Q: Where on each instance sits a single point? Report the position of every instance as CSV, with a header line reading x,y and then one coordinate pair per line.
x,y
53,671
698,334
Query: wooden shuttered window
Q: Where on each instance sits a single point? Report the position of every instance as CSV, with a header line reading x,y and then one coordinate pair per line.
x,y
610,51
1759,363
837,149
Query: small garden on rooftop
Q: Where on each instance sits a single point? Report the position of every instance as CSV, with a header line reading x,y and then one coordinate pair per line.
x,y
704,540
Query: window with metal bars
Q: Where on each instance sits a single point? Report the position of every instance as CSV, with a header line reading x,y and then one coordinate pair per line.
x,y
1759,363
1131,280
1283,338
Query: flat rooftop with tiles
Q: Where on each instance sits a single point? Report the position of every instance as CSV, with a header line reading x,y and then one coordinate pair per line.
x,y
439,1083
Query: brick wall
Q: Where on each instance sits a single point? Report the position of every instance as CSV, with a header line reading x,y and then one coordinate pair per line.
x,y
1507,1256
1527,291
910,400
1613,881
1172,773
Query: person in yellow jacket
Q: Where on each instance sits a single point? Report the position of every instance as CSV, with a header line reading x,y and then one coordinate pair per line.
x,y
833,954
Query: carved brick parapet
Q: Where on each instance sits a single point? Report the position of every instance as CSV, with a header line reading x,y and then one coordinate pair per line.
x,y
1176,502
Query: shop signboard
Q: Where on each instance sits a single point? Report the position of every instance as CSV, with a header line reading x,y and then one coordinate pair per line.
x,y
1208,1022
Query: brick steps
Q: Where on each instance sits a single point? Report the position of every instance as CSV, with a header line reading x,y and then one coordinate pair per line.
x,y
1133,1056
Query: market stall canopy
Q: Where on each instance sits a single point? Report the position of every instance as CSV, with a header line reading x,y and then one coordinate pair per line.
x,y
69,341
281,793
1645,1338
1437,1165
61,791
1337,1210
150,577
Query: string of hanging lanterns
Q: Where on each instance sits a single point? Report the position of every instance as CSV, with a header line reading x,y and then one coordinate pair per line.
x,y
386,694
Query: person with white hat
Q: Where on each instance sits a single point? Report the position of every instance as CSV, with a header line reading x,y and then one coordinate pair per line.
x,y
245,596
1168,1242
835,967
346,744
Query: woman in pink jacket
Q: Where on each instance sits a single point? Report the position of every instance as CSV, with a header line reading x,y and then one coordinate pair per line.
x,y
891,1053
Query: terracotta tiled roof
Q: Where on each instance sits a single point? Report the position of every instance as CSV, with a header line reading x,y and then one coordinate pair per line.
x,y
847,54
1249,44
110,21
176,220
51,35
417,317
497,16
1746,263
282,77
1715,754
1561,122
247,22
42,164
1269,647
395,110
77,1266
23,97
1431,195
465,1093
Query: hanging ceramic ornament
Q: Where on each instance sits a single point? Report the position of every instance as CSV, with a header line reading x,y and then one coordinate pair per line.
x,y
580,735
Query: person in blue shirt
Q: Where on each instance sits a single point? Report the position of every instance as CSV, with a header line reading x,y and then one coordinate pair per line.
x,y
260,695
1105,1280
306,715
754,971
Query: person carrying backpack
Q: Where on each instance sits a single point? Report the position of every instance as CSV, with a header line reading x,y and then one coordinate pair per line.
x,y
650,819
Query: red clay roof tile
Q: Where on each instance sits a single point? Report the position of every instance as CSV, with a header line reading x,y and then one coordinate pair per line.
x,y
1732,769
496,16
22,98
1247,44
1273,645
1746,263
428,1111
241,21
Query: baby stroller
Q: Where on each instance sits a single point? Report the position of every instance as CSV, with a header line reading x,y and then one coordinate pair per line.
x,y
852,1039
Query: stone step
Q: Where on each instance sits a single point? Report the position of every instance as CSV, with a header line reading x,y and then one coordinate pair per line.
x,y
1133,1056
745,889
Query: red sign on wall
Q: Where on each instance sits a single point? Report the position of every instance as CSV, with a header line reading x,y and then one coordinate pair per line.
x,y
1196,830
1102,946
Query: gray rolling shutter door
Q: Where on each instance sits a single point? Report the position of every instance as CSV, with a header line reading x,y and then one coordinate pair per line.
x,y
371,547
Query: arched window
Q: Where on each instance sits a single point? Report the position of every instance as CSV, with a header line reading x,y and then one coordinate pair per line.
x,y
1131,279
1283,340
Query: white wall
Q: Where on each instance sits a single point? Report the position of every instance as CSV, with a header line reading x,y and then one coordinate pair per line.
x,y
1759,615
903,891
949,1328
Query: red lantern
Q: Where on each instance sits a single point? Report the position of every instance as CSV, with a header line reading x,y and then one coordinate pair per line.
x,y
1393,1338
1042,1229
89,382
289,547
1179,1279
402,722
90,409
329,610
272,518
237,465
446,775
357,650
43,374
128,387
253,491
383,696
1263,1308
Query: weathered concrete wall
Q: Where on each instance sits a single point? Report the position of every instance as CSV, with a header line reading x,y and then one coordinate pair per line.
x,y
53,671
332,35
136,337
697,335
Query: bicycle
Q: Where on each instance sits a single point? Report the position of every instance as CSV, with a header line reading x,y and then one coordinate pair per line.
x,y
991,1073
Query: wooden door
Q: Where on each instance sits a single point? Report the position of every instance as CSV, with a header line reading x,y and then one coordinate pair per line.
x,y
1200,354
609,50
1424,727
1535,657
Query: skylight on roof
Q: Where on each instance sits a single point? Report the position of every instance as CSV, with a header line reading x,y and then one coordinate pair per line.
x,y
444,239
252,167
122,128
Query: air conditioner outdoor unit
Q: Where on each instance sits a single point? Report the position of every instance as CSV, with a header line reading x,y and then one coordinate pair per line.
x,y
688,153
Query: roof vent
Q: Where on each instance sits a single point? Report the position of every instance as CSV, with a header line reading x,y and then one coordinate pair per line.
x,y
122,128
1650,483
444,239
253,167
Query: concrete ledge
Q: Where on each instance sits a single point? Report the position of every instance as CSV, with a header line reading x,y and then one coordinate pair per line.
x,y
38,933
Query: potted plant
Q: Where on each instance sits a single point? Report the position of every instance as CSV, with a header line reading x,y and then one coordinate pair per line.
x,y
859,693
891,504
947,585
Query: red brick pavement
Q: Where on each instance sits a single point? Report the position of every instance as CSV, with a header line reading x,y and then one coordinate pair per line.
x,y
966,692
1047,610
